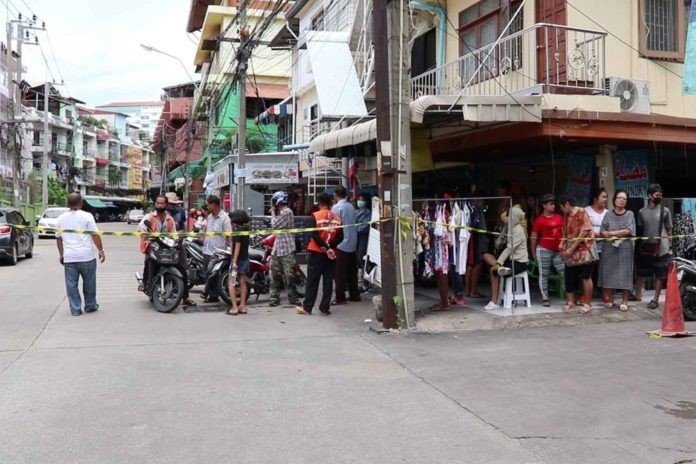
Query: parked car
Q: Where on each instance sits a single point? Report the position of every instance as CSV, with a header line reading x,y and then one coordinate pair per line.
x,y
49,218
14,242
135,216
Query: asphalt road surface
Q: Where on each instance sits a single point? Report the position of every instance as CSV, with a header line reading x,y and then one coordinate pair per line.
x,y
128,384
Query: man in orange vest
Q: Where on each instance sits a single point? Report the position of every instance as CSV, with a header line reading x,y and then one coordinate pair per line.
x,y
322,257
161,221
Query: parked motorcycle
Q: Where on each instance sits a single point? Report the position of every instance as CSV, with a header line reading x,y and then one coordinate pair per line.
x,y
195,263
165,282
686,275
259,272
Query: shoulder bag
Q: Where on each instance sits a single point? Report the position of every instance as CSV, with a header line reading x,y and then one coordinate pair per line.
x,y
651,246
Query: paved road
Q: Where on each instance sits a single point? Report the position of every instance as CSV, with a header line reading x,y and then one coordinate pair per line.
x,y
130,385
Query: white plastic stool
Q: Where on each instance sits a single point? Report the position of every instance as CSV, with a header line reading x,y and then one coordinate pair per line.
x,y
511,292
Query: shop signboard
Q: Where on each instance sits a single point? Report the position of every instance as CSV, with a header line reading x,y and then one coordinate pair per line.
x,y
271,173
631,172
579,183
689,81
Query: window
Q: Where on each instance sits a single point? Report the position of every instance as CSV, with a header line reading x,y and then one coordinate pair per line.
x,y
662,28
479,26
319,21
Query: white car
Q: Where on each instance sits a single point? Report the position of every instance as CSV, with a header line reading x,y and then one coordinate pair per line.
x,y
49,218
135,216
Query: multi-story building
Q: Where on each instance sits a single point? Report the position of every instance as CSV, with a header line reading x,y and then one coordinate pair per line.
x,y
143,114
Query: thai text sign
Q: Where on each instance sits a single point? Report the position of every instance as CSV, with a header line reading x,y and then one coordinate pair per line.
x,y
272,173
631,173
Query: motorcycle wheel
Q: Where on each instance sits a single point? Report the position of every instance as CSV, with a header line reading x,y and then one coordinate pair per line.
x,y
224,289
688,302
300,282
168,298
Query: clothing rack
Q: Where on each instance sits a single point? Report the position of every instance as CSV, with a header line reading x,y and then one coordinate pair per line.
x,y
508,198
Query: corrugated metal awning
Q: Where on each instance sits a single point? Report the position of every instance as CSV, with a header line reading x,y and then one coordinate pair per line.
x,y
353,135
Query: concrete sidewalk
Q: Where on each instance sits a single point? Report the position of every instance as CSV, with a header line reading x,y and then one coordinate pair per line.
x,y
473,317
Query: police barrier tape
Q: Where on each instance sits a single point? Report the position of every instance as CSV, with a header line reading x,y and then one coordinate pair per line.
x,y
405,223
240,233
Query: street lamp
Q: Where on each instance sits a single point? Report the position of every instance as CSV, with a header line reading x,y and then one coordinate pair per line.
x,y
187,180
150,48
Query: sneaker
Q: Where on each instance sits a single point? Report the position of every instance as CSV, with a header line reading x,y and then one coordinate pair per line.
x,y
274,303
325,312
302,311
504,271
491,306
76,313
92,310
295,303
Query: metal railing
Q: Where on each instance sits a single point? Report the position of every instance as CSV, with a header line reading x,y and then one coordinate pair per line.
x,y
559,58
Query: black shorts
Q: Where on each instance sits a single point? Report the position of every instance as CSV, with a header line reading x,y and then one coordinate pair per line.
x,y
652,266
518,267
573,275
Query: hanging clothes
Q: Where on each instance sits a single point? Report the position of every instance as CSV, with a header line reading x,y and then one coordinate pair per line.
x,y
464,235
442,240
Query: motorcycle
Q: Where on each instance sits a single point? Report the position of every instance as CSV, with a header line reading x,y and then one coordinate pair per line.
x,y
686,275
165,282
259,272
195,263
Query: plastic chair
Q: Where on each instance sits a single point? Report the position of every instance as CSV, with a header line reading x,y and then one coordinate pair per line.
x,y
513,289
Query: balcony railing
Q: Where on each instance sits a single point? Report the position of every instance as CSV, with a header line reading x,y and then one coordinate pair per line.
x,y
542,58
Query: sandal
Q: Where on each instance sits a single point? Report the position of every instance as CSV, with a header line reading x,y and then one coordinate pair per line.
x,y
608,305
653,304
568,307
477,296
242,311
232,312
546,303
623,307
585,309
457,301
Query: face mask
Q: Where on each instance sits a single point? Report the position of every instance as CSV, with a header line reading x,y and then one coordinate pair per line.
x,y
160,210
657,200
362,203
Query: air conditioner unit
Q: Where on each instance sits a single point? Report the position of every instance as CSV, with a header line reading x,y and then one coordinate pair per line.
x,y
633,93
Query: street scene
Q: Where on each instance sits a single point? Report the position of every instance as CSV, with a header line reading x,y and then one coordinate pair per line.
x,y
378,231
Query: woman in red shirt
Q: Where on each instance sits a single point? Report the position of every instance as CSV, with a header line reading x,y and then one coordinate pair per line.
x,y
545,241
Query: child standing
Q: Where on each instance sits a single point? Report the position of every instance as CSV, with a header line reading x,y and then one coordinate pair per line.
x,y
240,262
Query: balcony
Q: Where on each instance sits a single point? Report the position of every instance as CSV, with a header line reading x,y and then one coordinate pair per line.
x,y
544,58
62,149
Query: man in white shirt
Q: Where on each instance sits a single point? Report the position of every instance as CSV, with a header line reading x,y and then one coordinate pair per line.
x,y
218,221
77,255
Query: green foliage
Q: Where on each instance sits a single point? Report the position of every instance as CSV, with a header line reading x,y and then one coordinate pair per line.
x,y
57,195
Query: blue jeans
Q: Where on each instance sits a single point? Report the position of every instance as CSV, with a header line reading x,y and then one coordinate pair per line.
x,y
88,271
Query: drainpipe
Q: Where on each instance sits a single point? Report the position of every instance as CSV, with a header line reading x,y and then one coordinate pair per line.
x,y
441,28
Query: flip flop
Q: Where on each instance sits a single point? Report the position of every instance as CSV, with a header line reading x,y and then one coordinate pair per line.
x,y
623,308
232,313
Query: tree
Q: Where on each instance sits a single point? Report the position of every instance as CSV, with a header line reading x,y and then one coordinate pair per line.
x,y
56,193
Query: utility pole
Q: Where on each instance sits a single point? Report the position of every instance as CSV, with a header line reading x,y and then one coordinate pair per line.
x,y
46,149
392,62
243,58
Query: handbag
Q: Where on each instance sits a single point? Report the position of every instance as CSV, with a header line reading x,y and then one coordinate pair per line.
x,y
651,246
581,257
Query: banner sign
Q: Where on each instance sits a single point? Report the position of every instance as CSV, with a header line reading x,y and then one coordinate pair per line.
x,y
271,173
579,183
689,82
631,173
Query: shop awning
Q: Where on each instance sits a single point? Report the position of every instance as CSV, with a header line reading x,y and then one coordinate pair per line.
x,y
502,108
94,203
353,135
335,77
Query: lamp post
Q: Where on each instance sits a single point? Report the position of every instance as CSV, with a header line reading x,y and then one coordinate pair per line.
x,y
189,142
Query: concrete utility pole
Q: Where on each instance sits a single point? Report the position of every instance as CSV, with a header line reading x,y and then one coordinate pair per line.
x,y
243,58
392,62
46,150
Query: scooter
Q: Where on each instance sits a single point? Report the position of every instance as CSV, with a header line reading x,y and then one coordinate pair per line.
x,y
686,275
259,272
165,282
195,263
